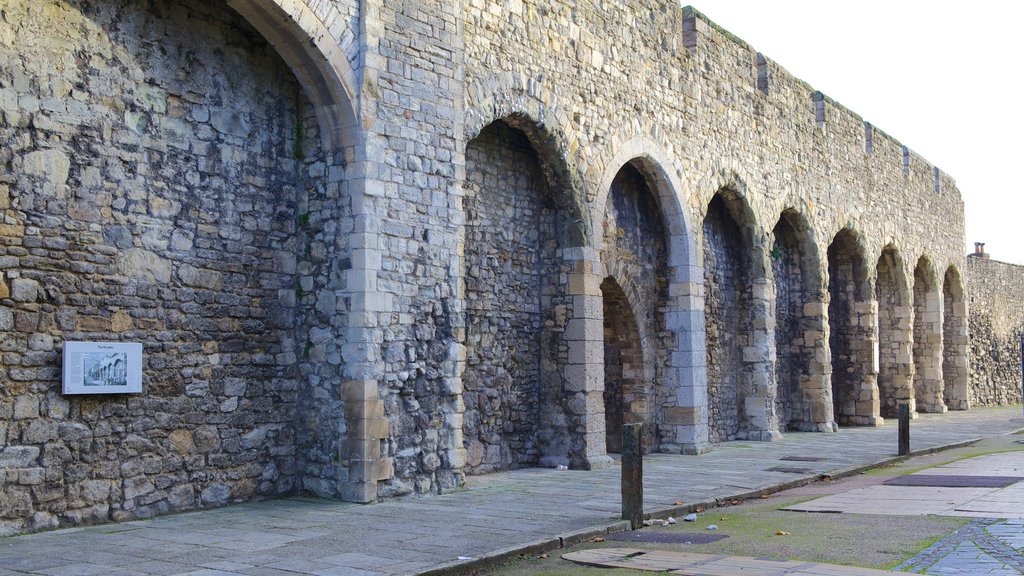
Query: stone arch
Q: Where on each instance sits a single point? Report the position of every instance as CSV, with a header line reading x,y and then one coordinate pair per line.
x,y
954,341
852,322
739,310
628,370
895,333
928,304
517,242
315,56
803,398
223,134
681,393
504,97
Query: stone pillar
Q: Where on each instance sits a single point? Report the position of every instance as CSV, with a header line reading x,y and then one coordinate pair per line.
x,y
928,382
903,345
865,337
583,382
364,413
816,383
685,420
759,366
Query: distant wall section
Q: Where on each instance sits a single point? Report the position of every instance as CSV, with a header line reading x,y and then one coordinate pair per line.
x,y
996,303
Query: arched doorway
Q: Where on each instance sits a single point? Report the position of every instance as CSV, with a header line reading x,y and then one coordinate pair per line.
x,y
740,398
635,256
928,382
625,372
851,317
954,342
895,334
803,394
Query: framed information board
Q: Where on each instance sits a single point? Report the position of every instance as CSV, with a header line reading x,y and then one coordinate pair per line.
x,y
102,368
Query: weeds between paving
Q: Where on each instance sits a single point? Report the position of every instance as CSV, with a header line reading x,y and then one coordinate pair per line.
x,y
753,527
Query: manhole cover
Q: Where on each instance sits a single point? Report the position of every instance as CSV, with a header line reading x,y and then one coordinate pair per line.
x,y
944,481
789,470
801,458
666,537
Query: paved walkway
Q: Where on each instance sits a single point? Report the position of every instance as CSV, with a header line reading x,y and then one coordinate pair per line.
x,y
497,515
692,564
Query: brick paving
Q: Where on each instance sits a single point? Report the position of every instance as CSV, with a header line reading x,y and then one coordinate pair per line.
x,y
496,515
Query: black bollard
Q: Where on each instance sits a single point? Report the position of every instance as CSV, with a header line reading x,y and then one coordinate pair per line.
x,y
904,429
633,475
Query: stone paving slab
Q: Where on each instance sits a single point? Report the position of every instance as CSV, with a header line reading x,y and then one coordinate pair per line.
x,y
903,496
504,513
693,564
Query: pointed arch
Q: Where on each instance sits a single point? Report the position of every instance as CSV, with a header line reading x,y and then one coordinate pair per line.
x,y
803,398
678,317
315,56
927,333
628,367
739,309
853,331
895,333
532,109
955,341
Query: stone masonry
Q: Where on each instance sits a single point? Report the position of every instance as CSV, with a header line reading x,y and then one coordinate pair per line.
x,y
372,247
996,324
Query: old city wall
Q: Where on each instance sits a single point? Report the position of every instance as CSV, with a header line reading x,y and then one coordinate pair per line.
x,y
703,114
164,182
372,247
996,323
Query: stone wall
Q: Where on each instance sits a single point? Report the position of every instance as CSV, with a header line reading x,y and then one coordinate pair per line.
x,y
510,242
996,314
150,194
372,247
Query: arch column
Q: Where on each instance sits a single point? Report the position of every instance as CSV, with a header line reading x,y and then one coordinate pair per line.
x,y
867,409
583,384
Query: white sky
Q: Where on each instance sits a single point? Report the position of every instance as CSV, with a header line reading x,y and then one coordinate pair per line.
x,y
941,77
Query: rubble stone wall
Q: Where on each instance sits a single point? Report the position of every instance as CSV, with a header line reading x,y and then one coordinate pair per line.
x,y
368,246
996,315
150,194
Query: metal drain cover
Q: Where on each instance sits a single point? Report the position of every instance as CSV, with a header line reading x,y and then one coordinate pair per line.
x,y
789,470
951,481
666,537
801,458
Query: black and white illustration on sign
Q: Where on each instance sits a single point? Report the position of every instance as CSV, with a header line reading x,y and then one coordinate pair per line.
x,y
105,369
102,368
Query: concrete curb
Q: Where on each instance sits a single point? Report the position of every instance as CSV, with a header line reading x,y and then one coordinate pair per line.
x,y
493,559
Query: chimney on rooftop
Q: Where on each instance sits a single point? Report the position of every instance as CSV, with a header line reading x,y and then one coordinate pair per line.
x,y
979,250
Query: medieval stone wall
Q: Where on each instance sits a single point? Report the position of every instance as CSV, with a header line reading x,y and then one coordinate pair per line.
x,y
372,247
150,194
996,307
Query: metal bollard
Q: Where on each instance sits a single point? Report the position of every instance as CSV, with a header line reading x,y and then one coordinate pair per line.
x,y
633,475
904,429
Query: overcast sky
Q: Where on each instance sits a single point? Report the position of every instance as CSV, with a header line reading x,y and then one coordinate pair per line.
x,y
943,78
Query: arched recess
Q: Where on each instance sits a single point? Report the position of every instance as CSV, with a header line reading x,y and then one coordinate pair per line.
x,y
928,382
738,311
803,398
679,400
316,59
853,332
345,434
954,341
519,222
895,334
627,373
635,254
